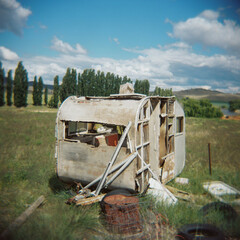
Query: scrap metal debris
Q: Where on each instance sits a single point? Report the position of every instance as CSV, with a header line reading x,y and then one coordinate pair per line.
x,y
223,192
161,193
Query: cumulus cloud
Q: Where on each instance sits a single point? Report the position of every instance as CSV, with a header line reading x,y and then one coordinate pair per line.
x,y
64,47
13,16
7,54
173,65
207,30
209,14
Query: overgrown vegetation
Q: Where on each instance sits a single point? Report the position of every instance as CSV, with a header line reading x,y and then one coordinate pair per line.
x,y
28,171
200,108
234,105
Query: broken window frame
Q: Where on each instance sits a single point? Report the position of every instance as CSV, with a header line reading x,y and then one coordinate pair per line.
x,y
92,134
179,125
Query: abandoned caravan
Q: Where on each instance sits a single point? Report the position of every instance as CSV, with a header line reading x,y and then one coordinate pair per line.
x,y
122,140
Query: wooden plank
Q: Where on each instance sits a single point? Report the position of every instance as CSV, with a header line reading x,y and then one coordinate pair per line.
x,y
90,200
179,193
22,218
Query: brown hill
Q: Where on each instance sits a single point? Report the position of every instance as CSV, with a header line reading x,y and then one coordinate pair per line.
x,y
199,93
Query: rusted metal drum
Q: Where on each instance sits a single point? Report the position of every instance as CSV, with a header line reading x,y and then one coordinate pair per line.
x,y
122,214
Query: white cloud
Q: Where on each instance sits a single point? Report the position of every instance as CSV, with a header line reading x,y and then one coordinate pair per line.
x,y
7,54
209,14
207,30
116,40
42,26
13,16
174,65
66,48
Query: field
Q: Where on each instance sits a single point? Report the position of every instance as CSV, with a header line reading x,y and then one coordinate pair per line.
x,y
28,171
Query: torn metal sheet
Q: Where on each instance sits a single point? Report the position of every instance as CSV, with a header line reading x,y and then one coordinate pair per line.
x,y
161,193
223,192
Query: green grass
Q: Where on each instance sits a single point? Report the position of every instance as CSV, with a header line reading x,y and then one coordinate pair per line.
x,y
28,171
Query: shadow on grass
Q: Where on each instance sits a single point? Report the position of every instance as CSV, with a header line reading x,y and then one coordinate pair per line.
x,y
56,185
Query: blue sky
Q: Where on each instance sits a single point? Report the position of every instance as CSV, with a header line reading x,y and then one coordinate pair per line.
x,y
172,43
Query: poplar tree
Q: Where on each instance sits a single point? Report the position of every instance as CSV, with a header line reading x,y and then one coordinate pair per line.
x,y
39,91
64,90
46,96
85,83
20,86
55,92
136,86
9,88
92,83
142,86
73,83
2,102
102,84
35,91
79,86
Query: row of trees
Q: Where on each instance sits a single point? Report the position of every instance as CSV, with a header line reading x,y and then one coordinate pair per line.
x,y
90,83
162,92
200,108
18,86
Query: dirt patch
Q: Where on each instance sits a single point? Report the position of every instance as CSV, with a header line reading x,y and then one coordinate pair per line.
x,y
231,117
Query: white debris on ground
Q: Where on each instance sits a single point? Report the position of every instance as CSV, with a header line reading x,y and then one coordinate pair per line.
x,y
161,193
182,180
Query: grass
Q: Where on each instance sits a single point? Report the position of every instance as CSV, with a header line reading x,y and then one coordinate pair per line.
x,y
28,171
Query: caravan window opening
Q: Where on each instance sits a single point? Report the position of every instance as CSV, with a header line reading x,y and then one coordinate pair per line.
x,y
75,128
179,125
95,134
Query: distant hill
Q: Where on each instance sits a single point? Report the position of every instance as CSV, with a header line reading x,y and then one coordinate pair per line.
x,y
200,93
